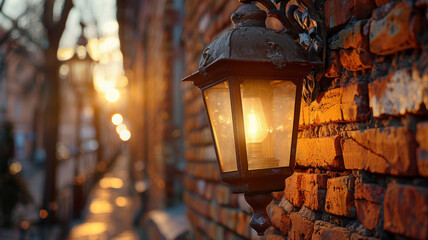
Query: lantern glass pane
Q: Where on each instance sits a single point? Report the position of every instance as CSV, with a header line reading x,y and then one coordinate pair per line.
x,y
268,111
217,99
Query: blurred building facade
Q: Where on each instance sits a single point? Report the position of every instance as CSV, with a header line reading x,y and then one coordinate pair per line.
x,y
362,151
22,80
23,104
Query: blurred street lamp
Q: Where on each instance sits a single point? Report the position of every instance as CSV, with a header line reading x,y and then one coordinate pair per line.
x,y
80,75
251,80
81,67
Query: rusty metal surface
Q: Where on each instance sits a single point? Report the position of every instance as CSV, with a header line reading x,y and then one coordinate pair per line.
x,y
251,40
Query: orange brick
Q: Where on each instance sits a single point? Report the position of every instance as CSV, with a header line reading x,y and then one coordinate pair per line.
x,y
301,228
279,218
406,211
340,196
396,31
314,190
422,154
319,152
390,150
293,191
328,231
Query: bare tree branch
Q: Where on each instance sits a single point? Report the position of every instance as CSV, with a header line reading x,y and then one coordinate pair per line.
x,y
68,5
48,13
2,4
16,27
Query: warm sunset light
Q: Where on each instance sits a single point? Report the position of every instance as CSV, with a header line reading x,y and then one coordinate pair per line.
x,y
117,119
125,135
112,95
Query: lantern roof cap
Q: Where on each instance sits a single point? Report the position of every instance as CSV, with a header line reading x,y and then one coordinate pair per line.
x,y
251,41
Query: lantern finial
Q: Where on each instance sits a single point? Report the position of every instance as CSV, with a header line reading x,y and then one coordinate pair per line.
x,y
260,221
249,15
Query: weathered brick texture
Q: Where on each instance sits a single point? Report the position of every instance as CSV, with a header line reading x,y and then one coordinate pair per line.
x,y
406,210
362,152
340,196
348,103
301,228
314,187
328,231
368,203
402,91
396,31
387,151
293,191
422,155
337,12
280,219
320,152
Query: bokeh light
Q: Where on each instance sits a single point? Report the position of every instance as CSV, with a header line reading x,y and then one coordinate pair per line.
x,y
94,49
121,201
122,82
111,182
81,52
112,95
43,213
15,168
120,128
125,135
25,225
64,70
117,119
100,206
83,231
63,54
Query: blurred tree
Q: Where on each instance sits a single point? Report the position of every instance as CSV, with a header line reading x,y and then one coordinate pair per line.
x,y
8,184
54,26
39,28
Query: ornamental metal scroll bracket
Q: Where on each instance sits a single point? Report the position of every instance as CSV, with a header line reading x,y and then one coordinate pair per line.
x,y
303,22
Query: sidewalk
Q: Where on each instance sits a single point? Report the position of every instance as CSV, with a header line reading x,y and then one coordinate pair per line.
x,y
110,208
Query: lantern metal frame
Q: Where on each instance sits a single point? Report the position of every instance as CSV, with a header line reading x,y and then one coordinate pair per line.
x,y
252,51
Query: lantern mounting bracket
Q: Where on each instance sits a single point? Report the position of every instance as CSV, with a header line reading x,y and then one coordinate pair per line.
x,y
303,22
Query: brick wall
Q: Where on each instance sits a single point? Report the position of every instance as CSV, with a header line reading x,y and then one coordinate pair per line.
x,y
362,153
148,41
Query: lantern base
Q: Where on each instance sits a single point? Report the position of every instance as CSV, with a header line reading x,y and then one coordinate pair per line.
x,y
260,220
262,163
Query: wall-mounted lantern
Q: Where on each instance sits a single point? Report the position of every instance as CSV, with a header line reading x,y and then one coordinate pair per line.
x,y
251,80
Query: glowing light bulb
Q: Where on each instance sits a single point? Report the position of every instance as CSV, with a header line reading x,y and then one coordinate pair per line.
x,y
117,119
256,127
